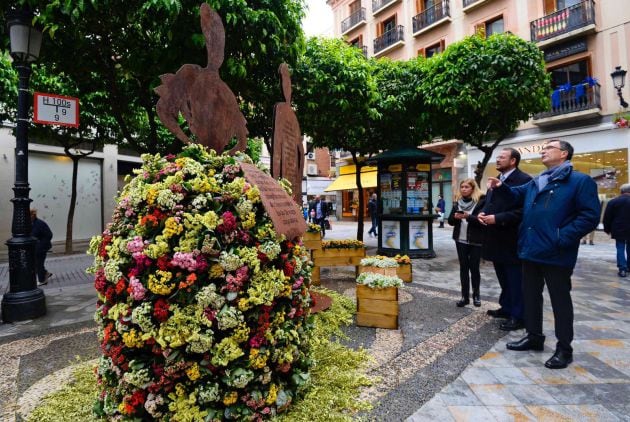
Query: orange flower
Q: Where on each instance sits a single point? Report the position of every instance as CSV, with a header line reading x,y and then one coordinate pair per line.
x,y
190,280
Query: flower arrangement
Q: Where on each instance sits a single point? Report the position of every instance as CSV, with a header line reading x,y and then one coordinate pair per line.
x,y
343,244
622,120
378,281
313,228
203,309
402,259
379,262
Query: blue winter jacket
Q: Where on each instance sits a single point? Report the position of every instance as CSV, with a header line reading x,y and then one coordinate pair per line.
x,y
556,218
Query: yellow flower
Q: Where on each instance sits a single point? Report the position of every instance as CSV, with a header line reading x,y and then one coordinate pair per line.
x,y
172,227
132,339
243,304
215,271
273,394
193,372
160,286
151,195
230,398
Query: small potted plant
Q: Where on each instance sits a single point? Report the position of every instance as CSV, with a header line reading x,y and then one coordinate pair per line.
x,y
377,300
312,239
404,270
379,265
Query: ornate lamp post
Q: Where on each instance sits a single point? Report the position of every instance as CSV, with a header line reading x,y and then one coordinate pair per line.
x,y
619,81
24,300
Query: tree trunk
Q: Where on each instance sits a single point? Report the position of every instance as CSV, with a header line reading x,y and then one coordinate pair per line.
x,y
73,200
487,154
361,202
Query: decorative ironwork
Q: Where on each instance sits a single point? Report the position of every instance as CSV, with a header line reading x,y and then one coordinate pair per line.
x,y
380,4
389,38
199,94
431,15
563,21
353,20
573,98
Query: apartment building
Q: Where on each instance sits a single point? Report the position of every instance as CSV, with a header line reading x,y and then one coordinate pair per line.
x,y
583,42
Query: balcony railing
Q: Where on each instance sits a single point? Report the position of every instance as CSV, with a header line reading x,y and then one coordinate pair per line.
x,y
470,2
433,14
573,98
364,49
563,21
389,38
380,4
353,20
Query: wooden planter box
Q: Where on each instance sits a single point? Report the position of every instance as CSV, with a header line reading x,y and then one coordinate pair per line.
x,y
312,241
338,257
377,307
405,273
370,269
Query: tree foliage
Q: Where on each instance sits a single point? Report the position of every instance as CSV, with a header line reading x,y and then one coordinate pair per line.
x,y
120,48
479,90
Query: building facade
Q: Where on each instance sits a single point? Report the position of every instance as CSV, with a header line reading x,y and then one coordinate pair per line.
x,y
583,41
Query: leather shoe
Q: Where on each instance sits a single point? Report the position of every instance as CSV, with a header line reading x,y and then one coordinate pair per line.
x,y
462,302
497,313
476,300
512,324
527,343
559,360
622,273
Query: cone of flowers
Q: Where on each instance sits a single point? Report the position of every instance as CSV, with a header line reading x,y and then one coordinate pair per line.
x,y
202,307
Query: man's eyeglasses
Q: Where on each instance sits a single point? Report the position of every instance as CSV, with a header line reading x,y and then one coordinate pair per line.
x,y
548,147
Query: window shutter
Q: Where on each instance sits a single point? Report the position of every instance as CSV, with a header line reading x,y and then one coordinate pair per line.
x,y
419,6
480,29
550,6
379,29
360,39
442,45
421,53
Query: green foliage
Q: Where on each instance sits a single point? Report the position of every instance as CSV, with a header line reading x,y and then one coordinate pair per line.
x,y
337,376
479,90
120,48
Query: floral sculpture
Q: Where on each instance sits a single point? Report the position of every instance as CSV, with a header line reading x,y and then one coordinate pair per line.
x,y
203,308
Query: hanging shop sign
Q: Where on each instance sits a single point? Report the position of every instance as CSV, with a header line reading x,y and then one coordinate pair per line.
x,y
564,50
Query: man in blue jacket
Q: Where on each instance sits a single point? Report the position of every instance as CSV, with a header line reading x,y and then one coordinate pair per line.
x,y
560,206
502,219
617,225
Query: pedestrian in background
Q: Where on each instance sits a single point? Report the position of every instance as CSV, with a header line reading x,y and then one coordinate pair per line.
x,y
560,206
319,209
502,219
441,209
617,225
43,234
373,211
468,236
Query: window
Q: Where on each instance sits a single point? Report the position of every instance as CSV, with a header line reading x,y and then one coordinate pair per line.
x,y
388,24
355,6
357,42
555,5
490,27
573,73
432,50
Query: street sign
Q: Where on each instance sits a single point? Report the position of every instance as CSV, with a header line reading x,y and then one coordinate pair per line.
x,y
52,109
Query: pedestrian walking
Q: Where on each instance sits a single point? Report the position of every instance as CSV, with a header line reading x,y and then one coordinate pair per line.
x,y
468,236
373,211
319,209
43,234
502,219
617,225
441,209
560,206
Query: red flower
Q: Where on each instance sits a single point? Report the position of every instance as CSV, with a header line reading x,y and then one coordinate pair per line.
x,y
229,223
288,269
160,309
120,286
164,263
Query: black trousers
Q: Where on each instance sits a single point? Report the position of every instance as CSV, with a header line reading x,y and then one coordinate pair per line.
x,y
510,276
374,225
558,281
469,258
40,259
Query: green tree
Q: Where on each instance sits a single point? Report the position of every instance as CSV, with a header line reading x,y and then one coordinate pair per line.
x,y
335,95
479,90
120,48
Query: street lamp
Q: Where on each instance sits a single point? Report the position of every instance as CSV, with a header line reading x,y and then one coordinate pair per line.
x,y
24,300
619,77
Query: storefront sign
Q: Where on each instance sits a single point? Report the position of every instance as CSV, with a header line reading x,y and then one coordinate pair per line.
x,y
418,235
565,50
285,214
391,234
423,167
395,167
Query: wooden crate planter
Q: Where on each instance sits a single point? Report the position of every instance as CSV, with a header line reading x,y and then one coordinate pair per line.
x,y
312,241
377,307
405,273
371,269
333,257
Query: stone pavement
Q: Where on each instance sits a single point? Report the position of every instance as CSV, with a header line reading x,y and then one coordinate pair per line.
x,y
444,362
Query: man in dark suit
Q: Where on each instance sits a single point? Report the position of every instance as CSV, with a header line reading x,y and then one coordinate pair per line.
x,y
502,218
320,209
617,224
41,231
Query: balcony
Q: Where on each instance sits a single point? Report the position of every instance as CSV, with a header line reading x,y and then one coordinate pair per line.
x,y
364,49
353,21
389,40
472,4
379,5
433,16
572,102
576,20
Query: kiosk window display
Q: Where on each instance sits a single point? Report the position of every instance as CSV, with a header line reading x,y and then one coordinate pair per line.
x,y
406,210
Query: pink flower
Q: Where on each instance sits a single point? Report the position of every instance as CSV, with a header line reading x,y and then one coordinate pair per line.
x,y
136,290
229,223
135,245
185,260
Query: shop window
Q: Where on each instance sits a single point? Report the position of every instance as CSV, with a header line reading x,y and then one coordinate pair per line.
x,y
490,27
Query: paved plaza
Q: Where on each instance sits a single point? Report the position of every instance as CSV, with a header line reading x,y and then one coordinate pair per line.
x,y
444,363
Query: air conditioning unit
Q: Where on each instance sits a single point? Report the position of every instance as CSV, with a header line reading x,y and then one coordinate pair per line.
x,y
311,170
310,155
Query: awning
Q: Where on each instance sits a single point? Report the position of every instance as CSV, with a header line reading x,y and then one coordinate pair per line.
x,y
348,181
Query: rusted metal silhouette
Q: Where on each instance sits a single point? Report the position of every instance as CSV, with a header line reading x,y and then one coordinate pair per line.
x,y
199,94
288,151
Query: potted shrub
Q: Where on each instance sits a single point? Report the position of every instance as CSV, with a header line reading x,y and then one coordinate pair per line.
x,y
377,300
404,270
379,265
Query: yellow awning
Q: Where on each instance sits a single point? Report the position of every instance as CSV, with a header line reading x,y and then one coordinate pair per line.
x,y
348,181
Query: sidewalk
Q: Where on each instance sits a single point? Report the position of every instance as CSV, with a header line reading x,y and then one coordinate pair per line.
x,y
444,363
